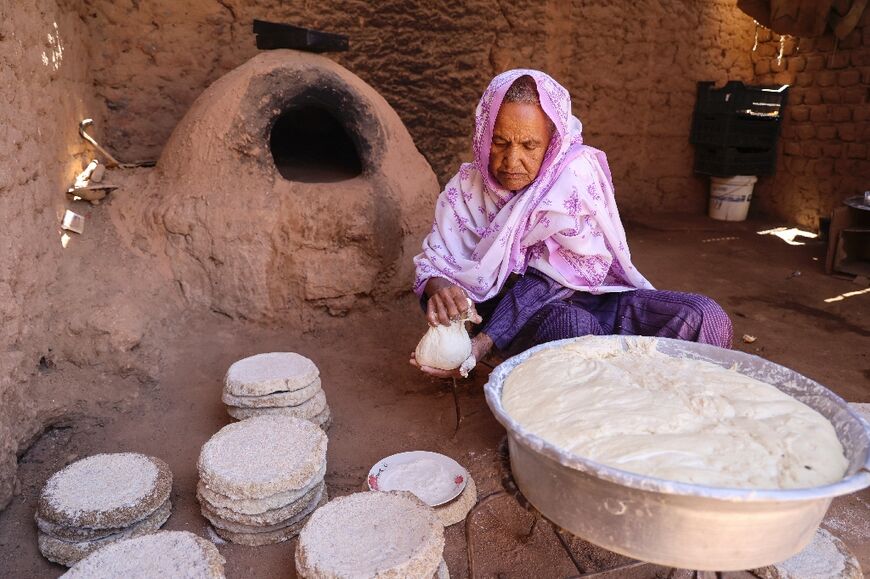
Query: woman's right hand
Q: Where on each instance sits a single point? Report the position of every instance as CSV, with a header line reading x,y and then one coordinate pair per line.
x,y
447,302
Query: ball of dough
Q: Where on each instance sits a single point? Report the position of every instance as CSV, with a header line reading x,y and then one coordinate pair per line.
x,y
444,347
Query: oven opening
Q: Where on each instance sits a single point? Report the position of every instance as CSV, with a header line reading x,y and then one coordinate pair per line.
x,y
310,145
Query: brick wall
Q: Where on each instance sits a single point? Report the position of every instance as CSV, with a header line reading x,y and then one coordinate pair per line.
x,y
825,143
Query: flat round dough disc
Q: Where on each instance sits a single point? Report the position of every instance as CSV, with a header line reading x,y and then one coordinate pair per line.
x,y
105,491
267,373
70,552
260,539
347,538
456,510
294,398
176,554
268,518
258,506
307,410
262,456
83,534
75,534
268,537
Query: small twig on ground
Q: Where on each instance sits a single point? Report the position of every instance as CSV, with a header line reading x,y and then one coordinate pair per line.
x,y
456,405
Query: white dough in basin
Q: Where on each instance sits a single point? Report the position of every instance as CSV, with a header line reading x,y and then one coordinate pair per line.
x,y
671,418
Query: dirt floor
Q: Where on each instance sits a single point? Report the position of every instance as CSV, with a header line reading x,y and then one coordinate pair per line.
x,y
381,405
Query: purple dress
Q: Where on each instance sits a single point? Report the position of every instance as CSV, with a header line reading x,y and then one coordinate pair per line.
x,y
536,309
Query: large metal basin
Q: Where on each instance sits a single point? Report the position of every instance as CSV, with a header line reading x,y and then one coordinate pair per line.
x,y
677,524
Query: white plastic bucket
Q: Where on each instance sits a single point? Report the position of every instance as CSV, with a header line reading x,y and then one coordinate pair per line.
x,y
730,197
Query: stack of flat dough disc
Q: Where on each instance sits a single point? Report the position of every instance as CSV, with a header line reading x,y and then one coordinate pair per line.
x,y
100,500
278,383
162,554
261,478
372,534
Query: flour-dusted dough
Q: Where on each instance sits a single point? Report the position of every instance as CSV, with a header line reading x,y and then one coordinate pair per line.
x,y
268,521
270,535
444,347
82,534
262,456
672,418
261,505
448,347
307,410
371,534
105,491
263,538
174,554
70,552
276,399
265,374
456,510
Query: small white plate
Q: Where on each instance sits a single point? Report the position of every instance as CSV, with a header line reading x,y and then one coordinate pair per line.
x,y
434,478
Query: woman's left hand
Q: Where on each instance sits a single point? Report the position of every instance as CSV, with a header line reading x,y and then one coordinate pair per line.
x,y
435,372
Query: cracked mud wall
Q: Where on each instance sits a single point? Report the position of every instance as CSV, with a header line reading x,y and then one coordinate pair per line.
x,y
631,68
72,336
45,92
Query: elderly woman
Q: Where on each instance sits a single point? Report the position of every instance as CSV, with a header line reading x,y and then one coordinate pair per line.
x,y
530,233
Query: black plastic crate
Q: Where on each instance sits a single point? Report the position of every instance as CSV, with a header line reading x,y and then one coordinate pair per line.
x,y
730,161
736,98
734,131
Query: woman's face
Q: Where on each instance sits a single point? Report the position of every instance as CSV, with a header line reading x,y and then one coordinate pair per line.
x,y
519,140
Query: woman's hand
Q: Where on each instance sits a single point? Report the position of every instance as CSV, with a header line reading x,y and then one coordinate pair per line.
x,y
435,372
447,302
481,344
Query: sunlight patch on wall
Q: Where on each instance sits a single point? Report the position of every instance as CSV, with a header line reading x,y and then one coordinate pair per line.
x,y
54,56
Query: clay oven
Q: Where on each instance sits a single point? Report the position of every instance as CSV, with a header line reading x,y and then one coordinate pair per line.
x,y
291,186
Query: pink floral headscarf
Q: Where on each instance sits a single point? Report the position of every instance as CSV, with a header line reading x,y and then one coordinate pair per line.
x,y
565,224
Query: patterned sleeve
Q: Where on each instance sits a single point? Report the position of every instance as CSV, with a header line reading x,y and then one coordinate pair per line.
x,y
435,259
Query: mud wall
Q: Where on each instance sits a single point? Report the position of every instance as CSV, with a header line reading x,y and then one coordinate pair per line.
x,y
825,156
631,68
73,313
45,92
